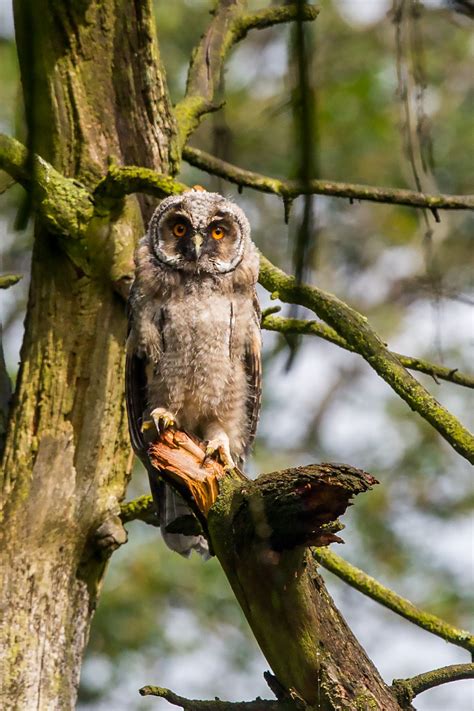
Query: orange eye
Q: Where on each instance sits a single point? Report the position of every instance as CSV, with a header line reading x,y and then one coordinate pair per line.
x,y
179,230
217,233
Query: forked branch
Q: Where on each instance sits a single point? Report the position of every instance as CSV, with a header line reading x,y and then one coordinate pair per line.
x,y
230,23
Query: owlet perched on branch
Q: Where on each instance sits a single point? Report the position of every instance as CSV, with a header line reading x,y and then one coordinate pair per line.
x,y
193,352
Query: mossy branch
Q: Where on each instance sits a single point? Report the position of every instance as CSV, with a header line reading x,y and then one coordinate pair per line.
x,y
8,280
63,204
355,329
230,24
372,588
121,181
288,190
270,16
407,689
140,509
315,328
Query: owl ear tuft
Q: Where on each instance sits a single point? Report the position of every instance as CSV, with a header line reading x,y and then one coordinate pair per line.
x,y
199,189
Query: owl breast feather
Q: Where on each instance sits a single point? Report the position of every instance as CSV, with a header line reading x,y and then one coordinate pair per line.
x,y
201,364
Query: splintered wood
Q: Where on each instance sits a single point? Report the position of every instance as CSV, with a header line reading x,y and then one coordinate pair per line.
x,y
180,459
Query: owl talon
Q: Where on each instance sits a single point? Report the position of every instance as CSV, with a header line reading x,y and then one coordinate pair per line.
x,y
217,450
161,420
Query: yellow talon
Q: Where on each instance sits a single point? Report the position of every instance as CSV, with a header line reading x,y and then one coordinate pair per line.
x,y
159,421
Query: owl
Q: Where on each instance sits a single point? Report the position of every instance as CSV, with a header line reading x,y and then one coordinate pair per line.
x,y
194,344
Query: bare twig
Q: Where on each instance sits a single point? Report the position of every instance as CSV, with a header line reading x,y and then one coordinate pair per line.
x,y
406,689
378,592
215,704
291,189
228,26
315,328
354,328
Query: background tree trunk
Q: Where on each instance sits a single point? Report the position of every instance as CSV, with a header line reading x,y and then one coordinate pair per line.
x,y
94,90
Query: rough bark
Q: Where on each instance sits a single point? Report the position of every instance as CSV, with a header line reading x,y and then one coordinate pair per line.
x,y
98,93
260,531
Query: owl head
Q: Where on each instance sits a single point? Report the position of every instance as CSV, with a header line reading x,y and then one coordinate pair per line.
x,y
199,231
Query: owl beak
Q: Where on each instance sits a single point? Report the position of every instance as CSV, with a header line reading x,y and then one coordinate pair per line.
x,y
197,240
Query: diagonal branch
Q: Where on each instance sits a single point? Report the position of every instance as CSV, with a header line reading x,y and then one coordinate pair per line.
x,y
143,509
291,189
228,26
315,328
372,588
406,689
354,328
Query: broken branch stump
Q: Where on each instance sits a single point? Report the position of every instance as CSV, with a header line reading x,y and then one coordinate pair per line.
x,y
260,531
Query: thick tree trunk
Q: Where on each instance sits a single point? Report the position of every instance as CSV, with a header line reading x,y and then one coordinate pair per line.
x,y
94,90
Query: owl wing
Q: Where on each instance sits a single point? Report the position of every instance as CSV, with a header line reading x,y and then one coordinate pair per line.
x,y
135,386
135,395
253,367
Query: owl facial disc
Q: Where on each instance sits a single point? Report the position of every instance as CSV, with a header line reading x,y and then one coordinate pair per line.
x,y
199,232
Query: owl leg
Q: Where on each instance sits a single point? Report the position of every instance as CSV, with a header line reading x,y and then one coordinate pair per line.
x,y
161,420
218,446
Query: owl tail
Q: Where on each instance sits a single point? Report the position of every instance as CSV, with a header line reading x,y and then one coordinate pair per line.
x,y
171,508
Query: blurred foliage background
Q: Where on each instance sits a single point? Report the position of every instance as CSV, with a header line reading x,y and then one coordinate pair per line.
x,y
174,622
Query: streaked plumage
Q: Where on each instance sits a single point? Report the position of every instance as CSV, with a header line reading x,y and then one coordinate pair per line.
x,y
194,342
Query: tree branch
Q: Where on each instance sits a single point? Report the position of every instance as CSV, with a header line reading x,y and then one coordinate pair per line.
x,y
290,189
315,328
215,704
372,588
228,25
406,689
354,328
121,181
272,16
141,509
8,280
64,205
